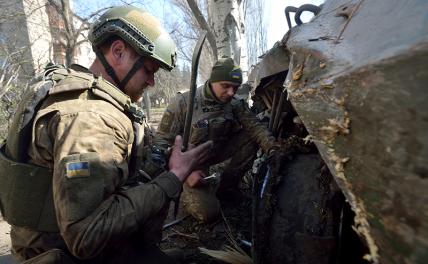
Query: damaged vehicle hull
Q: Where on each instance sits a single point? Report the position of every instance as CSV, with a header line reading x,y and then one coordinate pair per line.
x,y
357,77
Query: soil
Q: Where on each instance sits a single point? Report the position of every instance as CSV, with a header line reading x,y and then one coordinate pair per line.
x,y
155,117
233,227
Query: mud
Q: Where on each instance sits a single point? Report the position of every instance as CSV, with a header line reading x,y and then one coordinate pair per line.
x,y
231,228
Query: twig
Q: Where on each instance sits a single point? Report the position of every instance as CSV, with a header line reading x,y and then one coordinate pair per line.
x,y
184,235
166,226
349,20
230,235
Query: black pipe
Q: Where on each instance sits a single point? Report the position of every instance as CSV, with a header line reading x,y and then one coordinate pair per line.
x,y
307,7
287,11
298,12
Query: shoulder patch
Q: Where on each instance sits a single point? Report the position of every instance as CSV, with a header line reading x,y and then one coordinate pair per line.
x,y
77,169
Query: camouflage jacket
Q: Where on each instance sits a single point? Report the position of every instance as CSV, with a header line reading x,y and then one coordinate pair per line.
x,y
211,120
86,138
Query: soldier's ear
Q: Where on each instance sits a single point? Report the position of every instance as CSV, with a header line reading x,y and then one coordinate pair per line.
x,y
117,49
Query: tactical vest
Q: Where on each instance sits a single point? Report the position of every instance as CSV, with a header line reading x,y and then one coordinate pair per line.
x,y
212,120
26,197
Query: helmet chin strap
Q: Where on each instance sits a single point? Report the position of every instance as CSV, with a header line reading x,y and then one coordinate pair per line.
x,y
137,65
110,71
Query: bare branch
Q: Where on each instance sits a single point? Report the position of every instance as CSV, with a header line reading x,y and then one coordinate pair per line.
x,y
204,25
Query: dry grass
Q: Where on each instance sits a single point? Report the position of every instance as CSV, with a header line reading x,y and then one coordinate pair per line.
x,y
230,254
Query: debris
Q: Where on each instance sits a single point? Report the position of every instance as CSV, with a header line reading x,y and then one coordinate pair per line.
x,y
228,255
327,84
178,233
231,254
340,102
308,139
174,222
298,73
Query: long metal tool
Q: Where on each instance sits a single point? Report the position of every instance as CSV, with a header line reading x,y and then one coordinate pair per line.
x,y
195,62
186,134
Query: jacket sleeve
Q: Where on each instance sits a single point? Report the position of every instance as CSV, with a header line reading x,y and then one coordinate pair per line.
x,y
257,131
90,153
172,123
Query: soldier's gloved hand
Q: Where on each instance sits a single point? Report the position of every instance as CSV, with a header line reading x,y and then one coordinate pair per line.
x,y
196,178
183,163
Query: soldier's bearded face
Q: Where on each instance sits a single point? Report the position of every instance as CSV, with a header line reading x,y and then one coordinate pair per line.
x,y
224,90
142,79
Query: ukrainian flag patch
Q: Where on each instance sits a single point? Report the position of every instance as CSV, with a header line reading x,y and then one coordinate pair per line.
x,y
236,75
77,169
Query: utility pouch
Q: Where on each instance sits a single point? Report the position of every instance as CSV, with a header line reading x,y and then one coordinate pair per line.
x,y
199,132
221,128
26,197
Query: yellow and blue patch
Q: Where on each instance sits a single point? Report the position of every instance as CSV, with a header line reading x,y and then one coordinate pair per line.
x,y
236,74
77,169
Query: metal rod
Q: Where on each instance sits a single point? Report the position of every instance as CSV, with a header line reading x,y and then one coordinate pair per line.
x,y
191,102
278,113
273,111
287,11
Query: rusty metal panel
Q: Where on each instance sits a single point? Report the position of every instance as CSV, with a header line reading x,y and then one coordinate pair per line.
x,y
270,65
358,79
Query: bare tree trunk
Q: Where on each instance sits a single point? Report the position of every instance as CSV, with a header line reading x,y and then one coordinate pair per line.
x,y
226,19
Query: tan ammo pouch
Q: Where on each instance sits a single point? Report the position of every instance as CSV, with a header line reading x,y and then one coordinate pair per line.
x,y
26,198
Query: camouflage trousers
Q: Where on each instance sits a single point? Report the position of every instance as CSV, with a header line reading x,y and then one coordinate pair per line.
x,y
202,202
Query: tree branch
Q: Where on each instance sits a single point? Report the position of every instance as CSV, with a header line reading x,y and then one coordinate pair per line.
x,y
204,25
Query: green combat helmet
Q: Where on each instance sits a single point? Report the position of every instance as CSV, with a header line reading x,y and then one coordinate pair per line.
x,y
139,29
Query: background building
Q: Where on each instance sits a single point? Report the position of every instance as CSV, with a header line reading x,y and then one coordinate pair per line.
x,y
35,32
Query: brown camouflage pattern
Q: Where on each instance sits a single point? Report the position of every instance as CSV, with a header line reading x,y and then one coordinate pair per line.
x,y
98,216
225,120
236,133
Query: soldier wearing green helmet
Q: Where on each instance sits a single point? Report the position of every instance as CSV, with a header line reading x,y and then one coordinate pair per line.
x,y
141,31
72,184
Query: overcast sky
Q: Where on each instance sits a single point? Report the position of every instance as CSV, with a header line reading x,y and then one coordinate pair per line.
x,y
275,17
